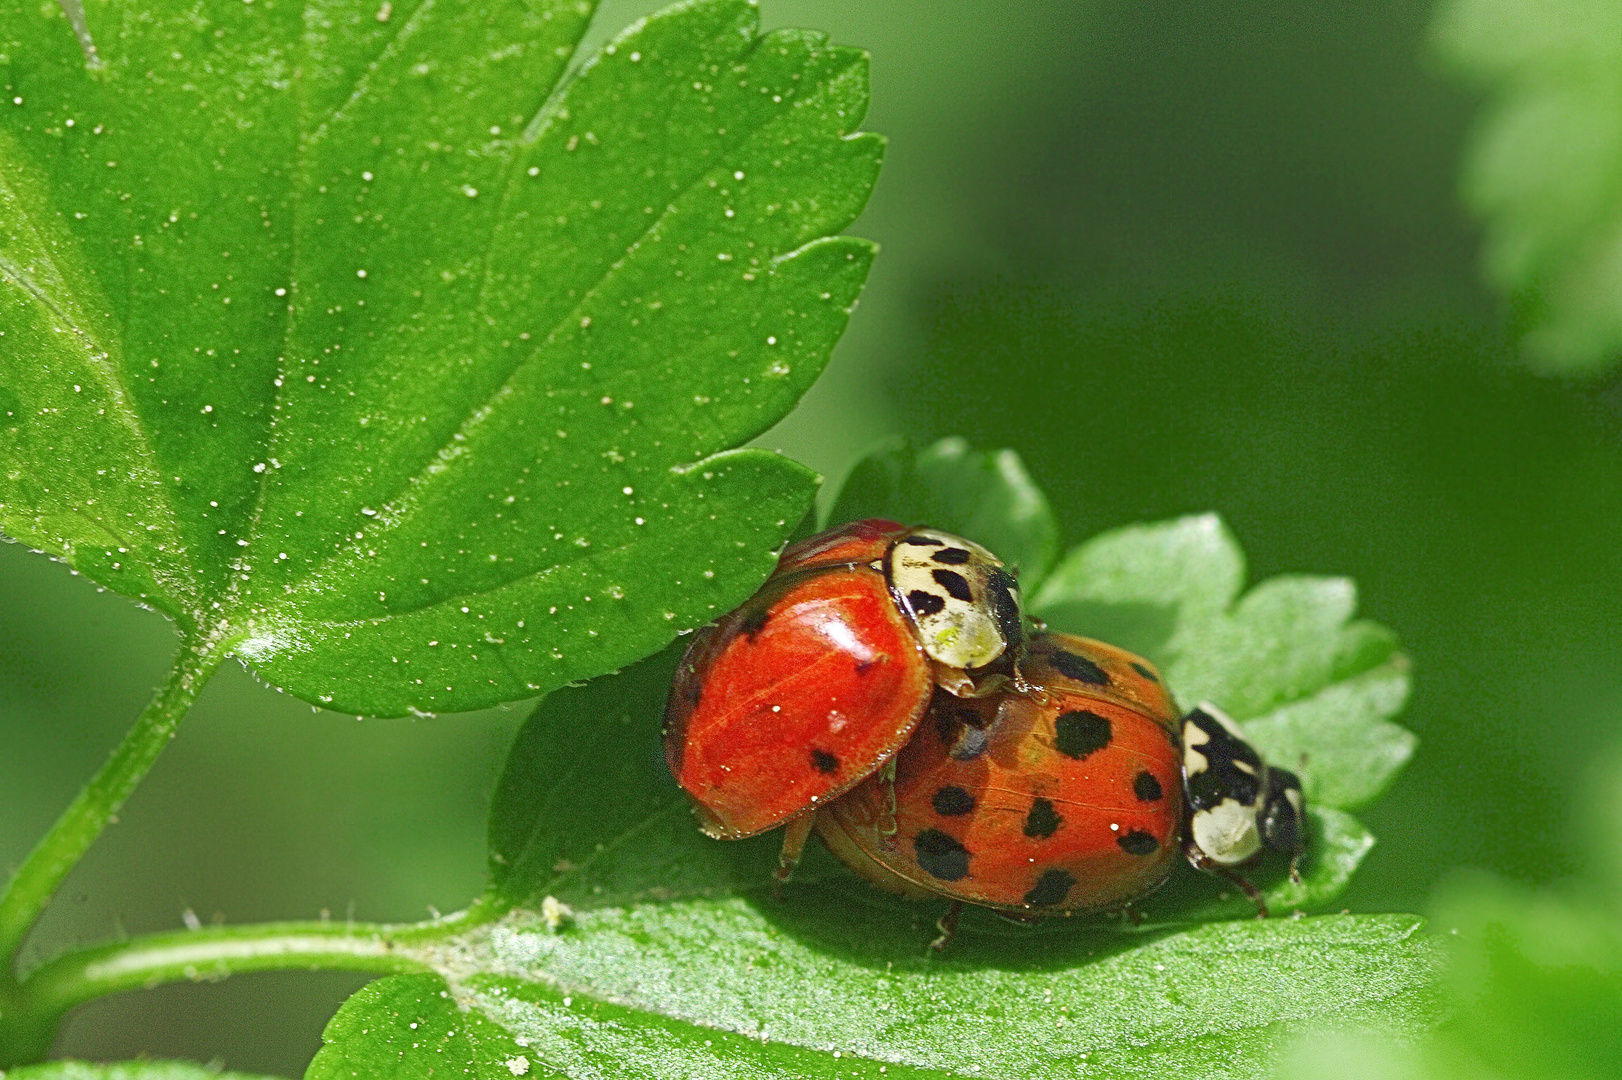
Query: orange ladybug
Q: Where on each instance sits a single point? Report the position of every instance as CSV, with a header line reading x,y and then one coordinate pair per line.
x,y
1062,799
820,678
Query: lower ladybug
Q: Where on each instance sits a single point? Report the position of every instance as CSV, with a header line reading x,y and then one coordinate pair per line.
x,y
1076,795
819,678
1063,799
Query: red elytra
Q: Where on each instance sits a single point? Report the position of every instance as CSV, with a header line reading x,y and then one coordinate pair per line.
x,y
815,682
1062,800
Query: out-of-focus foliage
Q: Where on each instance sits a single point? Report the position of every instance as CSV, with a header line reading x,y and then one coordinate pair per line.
x,y
1544,170
128,1070
1532,978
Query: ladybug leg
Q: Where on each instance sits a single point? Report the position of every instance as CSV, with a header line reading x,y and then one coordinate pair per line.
x,y
947,925
794,837
1200,861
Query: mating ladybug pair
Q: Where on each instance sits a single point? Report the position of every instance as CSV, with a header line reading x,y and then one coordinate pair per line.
x,y
881,688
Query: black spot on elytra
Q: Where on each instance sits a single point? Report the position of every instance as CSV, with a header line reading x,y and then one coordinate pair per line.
x,y
1079,733
925,603
1042,821
864,666
940,856
1078,668
951,556
753,620
1138,842
956,586
1147,788
824,762
952,801
1051,888
1143,669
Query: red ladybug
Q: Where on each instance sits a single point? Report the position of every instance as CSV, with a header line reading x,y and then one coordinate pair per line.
x,y
816,681
1066,798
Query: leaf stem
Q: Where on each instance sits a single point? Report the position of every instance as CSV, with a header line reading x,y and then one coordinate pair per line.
x,y
34,883
31,1010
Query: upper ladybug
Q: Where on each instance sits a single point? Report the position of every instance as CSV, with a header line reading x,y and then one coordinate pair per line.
x,y
821,676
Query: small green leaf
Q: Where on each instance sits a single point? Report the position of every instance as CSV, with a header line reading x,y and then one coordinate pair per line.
x,y
984,495
1339,738
1314,687
1544,169
122,1070
1135,586
366,338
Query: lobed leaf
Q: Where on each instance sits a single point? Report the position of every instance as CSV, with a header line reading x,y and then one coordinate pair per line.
x,y
373,343
1544,170
1314,687
984,495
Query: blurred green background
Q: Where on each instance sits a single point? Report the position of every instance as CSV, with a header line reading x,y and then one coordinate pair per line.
x,y
1182,256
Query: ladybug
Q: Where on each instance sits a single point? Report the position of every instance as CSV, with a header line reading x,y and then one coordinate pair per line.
x,y
1074,795
1238,805
820,677
1064,798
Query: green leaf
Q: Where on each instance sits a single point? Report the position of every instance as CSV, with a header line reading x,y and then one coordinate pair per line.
x,y
726,988
1314,687
984,495
365,338
1348,752
1544,169
122,1070
661,953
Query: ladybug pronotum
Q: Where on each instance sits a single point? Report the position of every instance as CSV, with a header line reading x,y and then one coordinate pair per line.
x,y
820,677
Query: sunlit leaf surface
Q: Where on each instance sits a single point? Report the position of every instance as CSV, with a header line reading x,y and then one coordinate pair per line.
x,y
363,337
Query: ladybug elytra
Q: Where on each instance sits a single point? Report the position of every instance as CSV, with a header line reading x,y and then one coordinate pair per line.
x,y
1062,799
